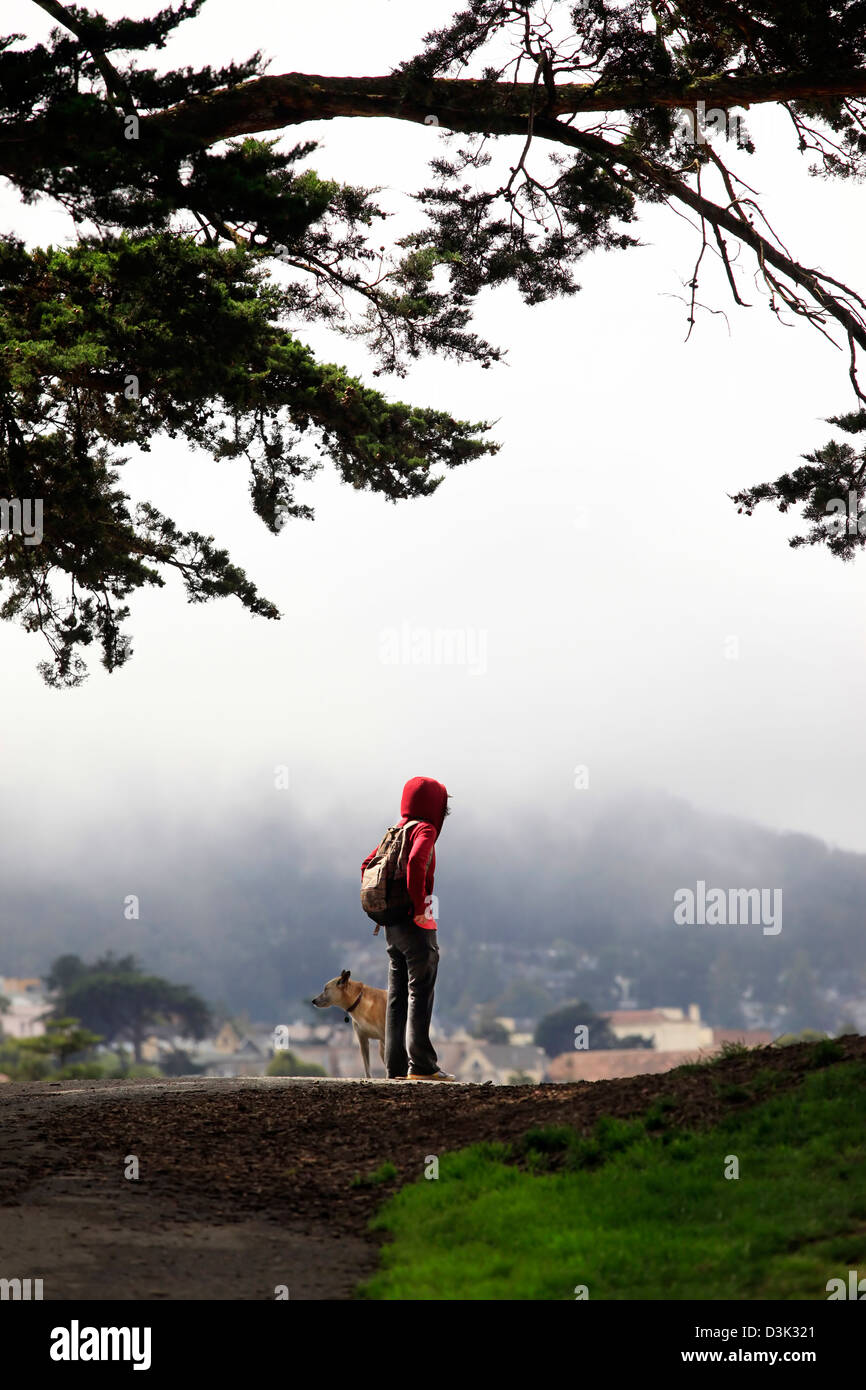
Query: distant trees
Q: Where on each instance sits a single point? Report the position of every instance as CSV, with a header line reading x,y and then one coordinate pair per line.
x,y
68,968
725,990
60,1052
287,1064
489,1029
117,1000
179,1063
802,998
523,997
555,1032
633,1040
61,1041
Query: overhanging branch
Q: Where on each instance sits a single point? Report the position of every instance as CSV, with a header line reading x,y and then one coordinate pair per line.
x,y
471,105
723,218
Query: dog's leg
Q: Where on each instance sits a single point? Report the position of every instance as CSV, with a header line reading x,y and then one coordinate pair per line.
x,y
382,1050
364,1044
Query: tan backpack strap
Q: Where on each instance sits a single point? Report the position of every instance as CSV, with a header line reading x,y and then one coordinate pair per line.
x,y
401,862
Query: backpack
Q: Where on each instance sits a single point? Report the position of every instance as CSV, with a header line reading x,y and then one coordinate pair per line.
x,y
384,891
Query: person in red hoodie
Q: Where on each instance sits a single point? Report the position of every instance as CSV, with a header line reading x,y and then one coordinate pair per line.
x,y
413,947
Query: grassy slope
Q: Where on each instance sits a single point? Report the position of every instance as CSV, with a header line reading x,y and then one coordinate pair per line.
x,y
641,1211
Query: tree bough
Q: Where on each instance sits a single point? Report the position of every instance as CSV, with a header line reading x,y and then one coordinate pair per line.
x,y
164,317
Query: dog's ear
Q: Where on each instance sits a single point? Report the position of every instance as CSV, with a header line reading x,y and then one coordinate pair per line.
x,y
344,978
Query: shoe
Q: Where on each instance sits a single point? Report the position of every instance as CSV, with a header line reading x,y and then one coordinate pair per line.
x,y
396,1078
431,1076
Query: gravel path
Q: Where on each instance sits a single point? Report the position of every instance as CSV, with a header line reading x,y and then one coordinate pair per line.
x,y
249,1184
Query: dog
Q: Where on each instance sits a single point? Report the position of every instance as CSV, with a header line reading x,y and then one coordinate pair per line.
x,y
365,1005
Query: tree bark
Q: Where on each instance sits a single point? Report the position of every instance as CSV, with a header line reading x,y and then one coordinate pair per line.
x,y
471,105
270,103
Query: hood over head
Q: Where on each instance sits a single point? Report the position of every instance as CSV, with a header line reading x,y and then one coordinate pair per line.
x,y
424,799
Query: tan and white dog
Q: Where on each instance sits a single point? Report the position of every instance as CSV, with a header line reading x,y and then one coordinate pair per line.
x,y
364,1004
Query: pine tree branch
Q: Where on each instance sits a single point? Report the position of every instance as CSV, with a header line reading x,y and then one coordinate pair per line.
x,y
271,102
111,77
470,105
731,219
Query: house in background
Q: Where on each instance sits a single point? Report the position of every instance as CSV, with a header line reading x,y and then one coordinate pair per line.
x,y
519,1034
670,1029
28,1004
249,1058
227,1040
476,1060
21,984
499,1062
668,1025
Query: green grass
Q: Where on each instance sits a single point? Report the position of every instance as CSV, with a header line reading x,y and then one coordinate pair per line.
x,y
640,1210
386,1172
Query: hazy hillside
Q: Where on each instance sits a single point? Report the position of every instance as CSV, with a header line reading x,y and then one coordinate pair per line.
x,y
254,918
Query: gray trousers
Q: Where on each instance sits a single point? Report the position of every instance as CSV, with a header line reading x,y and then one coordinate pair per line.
x,y
413,953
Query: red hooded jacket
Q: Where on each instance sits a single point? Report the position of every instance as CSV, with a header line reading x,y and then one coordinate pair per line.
x,y
425,801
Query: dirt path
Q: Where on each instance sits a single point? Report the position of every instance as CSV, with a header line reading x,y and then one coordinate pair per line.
x,y
245,1185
